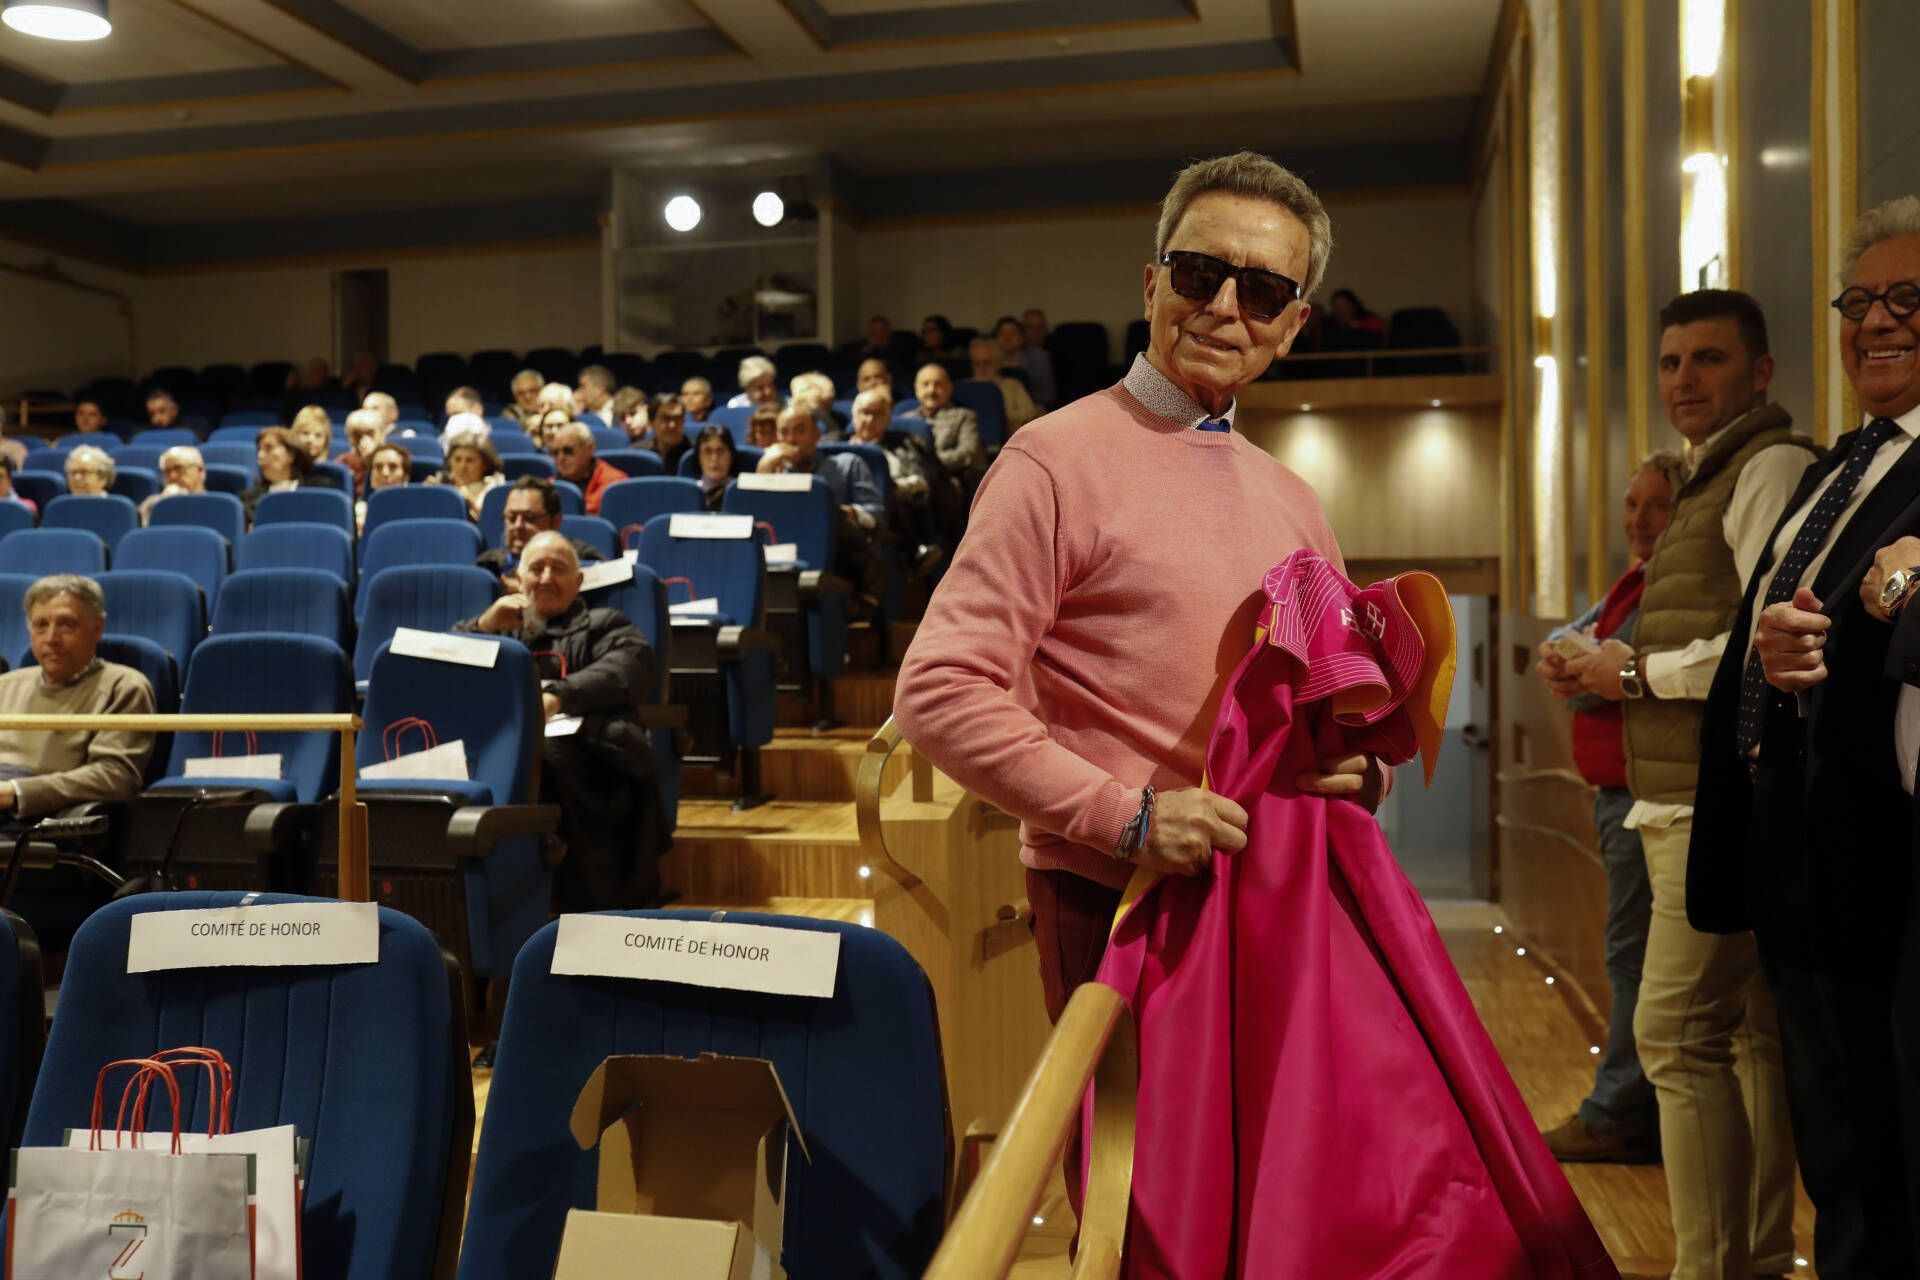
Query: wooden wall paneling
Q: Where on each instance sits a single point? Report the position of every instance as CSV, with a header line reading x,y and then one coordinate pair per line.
x,y
1633,186
1594,188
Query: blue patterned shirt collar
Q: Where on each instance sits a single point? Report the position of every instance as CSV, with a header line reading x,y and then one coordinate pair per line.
x,y
1157,394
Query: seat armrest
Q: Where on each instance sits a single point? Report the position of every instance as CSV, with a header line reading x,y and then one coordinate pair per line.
x,y
272,827
736,643
474,829
661,717
815,583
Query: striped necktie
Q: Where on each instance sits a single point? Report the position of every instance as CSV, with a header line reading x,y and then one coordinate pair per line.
x,y
1215,424
1806,544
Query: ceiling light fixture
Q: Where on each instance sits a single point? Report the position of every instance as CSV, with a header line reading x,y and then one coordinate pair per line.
x,y
683,213
769,209
58,19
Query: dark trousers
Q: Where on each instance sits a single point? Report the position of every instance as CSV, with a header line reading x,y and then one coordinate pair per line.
x,y
1837,1050
859,560
1622,1101
1072,918
1906,1049
611,822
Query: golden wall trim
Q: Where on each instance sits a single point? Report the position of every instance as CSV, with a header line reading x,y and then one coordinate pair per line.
x,y
1593,188
1633,188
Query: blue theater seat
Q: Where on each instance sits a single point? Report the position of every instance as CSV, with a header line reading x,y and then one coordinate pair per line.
x,y
862,1070
635,462
299,602
510,440
220,512
415,542
628,504
108,517
369,1062
39,487
296,545
807,602
223,478
14,516
39,552
592,530
166,437
158,605
643,602
23,1022
14,640
410,502
136,484
988,405
424,597
306,506
201,554
515,465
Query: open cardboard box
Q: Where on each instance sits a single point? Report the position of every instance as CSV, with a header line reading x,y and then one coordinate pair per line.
x,y
693,1169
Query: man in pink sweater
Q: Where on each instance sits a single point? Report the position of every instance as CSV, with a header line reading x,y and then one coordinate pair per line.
x,y
1111,574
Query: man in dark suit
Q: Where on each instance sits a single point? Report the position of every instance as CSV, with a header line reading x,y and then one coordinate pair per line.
x,y
1802,828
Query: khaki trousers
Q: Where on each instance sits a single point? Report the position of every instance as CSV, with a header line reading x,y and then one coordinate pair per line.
x,y
1728,1148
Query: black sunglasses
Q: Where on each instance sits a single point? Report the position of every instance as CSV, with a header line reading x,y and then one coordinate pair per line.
x,y
1198,277
1901,300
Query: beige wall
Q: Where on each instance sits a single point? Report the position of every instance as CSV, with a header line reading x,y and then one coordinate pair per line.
x,y
56,336
1411,250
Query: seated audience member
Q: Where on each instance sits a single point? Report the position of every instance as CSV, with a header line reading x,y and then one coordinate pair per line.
x,y
956,431
89,471
669,435
815,391
714,449
383,404
1034,322
162,409
526,386
359,376
365,430
312,432
284,466
465,424
631,413
878,342
465,400
920,482
533,506
763,428
1346,313
314,375
852,486
596,666
89,417
182,470
547,425
696,397
1010,340
574,459
593,399
43,772
390,464
1020,408
471,467
874,372
757,384
13,451
557,395
936,340
8,493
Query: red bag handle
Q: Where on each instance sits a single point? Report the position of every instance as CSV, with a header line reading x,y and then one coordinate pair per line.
x,y
686,582
146,1066
253,743
219,1087
772,537
557,656
391,735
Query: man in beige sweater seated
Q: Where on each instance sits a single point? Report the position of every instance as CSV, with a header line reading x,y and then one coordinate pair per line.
x,y
42,772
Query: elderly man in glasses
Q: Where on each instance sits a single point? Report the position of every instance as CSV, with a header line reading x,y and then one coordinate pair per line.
x,y
573,458
1111,572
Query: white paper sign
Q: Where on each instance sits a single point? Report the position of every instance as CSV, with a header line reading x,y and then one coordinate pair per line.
x,y
605,573
446,762
695,608
266,766
782,553
631,555
563,726
775,482
688,524
468,651
702,953
288,933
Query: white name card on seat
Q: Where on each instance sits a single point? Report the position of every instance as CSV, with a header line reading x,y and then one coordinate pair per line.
x,y
690,524
282,934
781,554
444,763
695,608
631,555
265,766
702,953
468,651
775,482
605,573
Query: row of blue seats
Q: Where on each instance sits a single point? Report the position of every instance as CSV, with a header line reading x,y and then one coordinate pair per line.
x,y
369,1062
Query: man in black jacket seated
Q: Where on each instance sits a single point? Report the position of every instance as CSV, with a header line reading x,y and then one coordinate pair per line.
x,y
1803,825
533,507
596,668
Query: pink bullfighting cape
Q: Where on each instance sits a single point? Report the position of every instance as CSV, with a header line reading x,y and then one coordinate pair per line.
x,y
1317,1096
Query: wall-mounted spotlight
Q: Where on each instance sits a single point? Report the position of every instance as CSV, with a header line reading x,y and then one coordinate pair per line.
x,y
58,19
682,213
769,209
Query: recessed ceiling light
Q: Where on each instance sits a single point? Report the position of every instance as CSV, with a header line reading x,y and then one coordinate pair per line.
x,y
1436,404
683,213
1306,408
768,209
58,19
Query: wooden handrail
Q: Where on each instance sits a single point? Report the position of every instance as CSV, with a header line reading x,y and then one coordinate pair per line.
x,y
356,881
866,799
1094,1041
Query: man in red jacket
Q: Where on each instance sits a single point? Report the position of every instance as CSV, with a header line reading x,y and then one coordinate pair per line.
x,y
1616,1123
573,458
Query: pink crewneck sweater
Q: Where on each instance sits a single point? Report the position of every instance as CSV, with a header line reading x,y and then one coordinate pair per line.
x,y
1109,580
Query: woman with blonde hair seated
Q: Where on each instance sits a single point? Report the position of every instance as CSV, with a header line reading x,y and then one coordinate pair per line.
x,y
312,431
816,392
471,468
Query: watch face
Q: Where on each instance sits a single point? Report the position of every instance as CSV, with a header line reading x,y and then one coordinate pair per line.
x,y
1894,587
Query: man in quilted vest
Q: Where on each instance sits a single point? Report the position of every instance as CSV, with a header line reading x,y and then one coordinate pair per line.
x,y
1615,1123
1728,1150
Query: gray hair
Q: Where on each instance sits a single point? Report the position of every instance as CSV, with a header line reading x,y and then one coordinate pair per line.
x,y
578,432
704,384
873,395
556,395
1899,216
754,368
90,454
1248,173
521,378
185,454
83,589
1668,465
367,420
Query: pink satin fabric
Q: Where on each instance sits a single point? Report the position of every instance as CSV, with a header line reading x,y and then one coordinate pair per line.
x,y
1317,1096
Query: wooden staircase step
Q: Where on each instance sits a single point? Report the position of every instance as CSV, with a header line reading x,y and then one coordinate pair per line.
x,y
785,848
845,910
797,765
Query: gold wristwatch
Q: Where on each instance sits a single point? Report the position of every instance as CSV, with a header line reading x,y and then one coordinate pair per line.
x,y
1895,590
1631,682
